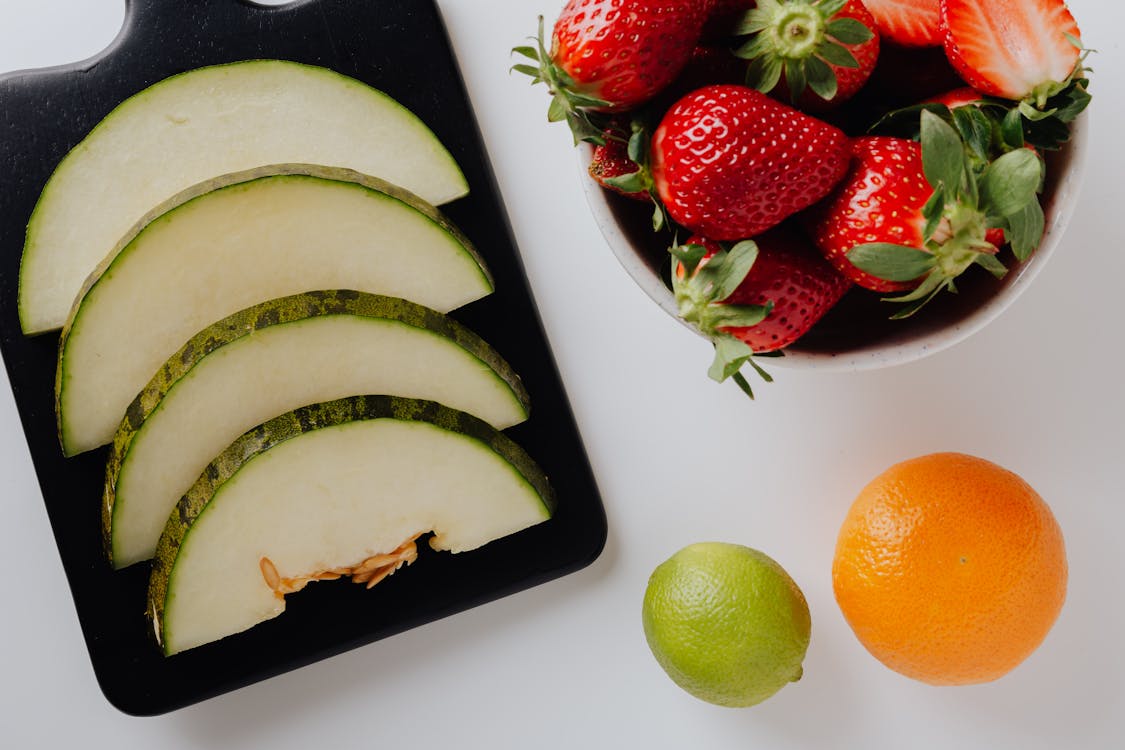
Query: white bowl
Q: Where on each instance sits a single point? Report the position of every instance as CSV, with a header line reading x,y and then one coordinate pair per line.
x,y
857,334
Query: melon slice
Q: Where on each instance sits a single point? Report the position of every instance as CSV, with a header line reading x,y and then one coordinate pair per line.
x,y
203,123
234,243
332,489
272,358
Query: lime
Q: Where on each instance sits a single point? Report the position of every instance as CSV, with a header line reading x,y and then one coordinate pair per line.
x,y
726,623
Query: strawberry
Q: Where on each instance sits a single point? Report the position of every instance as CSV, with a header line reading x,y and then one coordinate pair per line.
x,y
1023,50
612,55
728,162
914,216
963,96
755,298
789,276
821,51
611,166
881,200
911,23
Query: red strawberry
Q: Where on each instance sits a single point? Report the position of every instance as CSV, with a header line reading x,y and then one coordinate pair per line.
x,y
881,200
1014,49
959,97
757,297
913,216
820,51
911,23
728,162
611,162
789,276
612,55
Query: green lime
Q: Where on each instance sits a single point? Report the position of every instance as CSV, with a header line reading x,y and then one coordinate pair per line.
x,y
726,623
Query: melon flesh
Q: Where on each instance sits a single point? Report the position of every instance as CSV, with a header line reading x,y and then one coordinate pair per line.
x,y
235,247
203,123
367,347
328,498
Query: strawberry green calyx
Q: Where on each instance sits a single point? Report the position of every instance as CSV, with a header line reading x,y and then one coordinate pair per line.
x,y
1047,117
1037,104
700,284
567,103
967,201
990,129
992,126
803,40
640,180
1048,98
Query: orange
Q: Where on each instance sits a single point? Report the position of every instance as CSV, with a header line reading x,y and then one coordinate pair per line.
x,y
950,569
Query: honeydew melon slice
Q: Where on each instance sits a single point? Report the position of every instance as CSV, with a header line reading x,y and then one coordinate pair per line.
x,y
233,243
199,124
272,358
332,489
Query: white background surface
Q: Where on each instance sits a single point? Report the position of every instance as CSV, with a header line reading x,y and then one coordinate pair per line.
x,y
679,460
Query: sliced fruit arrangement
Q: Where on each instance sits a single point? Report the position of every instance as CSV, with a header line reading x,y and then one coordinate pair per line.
x,y
203,123
249,272
269,359
339,488
904,172
233,242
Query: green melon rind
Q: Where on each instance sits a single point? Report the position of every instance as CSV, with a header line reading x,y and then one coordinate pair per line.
x,y
298,422
138,99
317,171
233,181
280,311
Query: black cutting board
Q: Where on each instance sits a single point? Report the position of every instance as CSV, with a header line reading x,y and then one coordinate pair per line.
x,y
400,47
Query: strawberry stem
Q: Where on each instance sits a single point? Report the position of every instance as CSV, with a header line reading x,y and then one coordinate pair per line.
x,y
566,102
803,40
797,32
967,201
701,283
